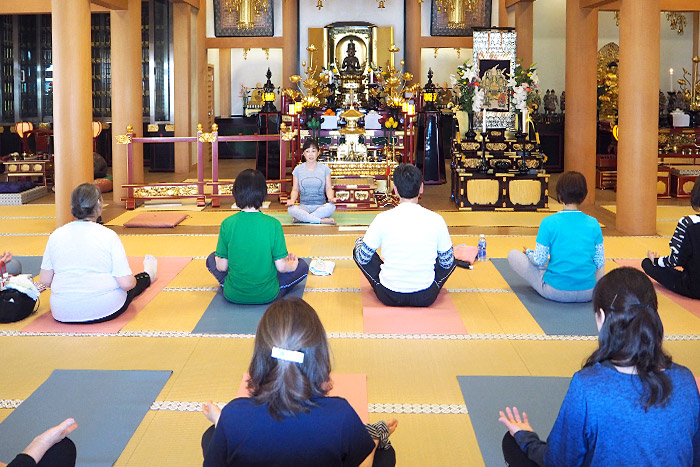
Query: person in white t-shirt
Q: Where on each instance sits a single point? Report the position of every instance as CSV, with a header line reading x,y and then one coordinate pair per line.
x,y
417,256
86,267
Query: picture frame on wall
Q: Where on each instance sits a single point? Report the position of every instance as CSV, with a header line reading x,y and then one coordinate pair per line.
x,y
442,23
226,22
494,52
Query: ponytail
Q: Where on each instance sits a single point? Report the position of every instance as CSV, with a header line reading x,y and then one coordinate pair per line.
x,y
632,333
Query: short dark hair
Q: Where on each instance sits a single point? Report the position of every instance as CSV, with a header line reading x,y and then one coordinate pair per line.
x,y
84,200
632,333
250,189
407,180
695,195
286,387
309,142
571,188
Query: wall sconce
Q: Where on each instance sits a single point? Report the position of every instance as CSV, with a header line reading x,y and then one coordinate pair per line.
x,y
269,95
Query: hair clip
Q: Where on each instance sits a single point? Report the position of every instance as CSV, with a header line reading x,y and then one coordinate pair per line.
x,y
613,301
288,355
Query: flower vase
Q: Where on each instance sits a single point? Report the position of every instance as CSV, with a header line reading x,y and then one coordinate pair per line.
x,y
471,134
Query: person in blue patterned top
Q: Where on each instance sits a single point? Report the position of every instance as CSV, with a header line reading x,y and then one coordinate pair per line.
x,y
568,257
629,405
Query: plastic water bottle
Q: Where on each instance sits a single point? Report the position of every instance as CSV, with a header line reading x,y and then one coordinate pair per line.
x,y
481,255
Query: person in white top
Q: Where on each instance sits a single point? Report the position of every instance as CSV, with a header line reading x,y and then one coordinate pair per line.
x,y
86,267
417,256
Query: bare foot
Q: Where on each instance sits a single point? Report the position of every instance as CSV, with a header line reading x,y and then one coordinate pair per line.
x,y
150,265
212,412
295,220
392,424
328,220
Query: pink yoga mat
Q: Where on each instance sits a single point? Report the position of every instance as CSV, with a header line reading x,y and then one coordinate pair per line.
x,y
441,317
168,268
689,304
351,387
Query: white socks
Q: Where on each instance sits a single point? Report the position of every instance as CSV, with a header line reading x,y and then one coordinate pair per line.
x,y
150,266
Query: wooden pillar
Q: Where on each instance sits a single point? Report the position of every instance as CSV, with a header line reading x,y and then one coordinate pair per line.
x,y
201,76
696,34
290,38
127,92
502,14
524,24
225,82
72,101
182,76
638,110
412,37
580,125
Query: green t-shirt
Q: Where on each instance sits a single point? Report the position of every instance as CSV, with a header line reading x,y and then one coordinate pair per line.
x,y
251,241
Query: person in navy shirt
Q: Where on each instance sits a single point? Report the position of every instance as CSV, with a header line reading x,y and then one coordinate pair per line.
x,y
629,405
569,256
289,420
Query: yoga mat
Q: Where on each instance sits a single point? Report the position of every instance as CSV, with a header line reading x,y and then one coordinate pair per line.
x,y
690,304
351,387
441,317
554,318
539,397
168,268
224,317
108,406
30,264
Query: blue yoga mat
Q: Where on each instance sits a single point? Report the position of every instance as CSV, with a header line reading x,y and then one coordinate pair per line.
x,y
539,397
30,264
554,318
107,405
224,317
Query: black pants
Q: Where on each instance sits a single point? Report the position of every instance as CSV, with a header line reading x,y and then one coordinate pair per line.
x,y
61,454
382,457
143,281
513,455
388,297
673,279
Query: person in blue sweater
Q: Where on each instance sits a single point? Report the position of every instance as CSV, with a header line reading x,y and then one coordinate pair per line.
x,y
569,256
289,420
629,405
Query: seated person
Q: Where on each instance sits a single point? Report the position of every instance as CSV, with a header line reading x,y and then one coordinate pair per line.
x,y
630,405
417,256
289,420
569,257
312,184
85,266
684,243
49,449
251,261
13,266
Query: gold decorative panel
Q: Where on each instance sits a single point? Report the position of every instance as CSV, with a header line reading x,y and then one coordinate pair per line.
x,y
164,190
688,186
152,128
525,192
483,191
660,188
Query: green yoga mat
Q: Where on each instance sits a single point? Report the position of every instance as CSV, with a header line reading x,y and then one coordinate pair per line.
x,y
108,406
341,218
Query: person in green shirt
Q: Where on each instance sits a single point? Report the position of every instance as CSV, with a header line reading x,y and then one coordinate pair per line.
x,y
251,261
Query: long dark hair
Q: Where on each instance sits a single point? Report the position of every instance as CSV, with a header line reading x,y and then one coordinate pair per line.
x,y
632,332
286,386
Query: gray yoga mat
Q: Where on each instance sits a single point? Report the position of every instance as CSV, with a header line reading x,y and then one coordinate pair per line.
x,y
30,264
554,318
108,406
224,317
539,397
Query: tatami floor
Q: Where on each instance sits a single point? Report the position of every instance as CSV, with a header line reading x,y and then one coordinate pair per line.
x,y
409,377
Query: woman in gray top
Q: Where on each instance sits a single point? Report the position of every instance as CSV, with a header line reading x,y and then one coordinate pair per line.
x,y
312,180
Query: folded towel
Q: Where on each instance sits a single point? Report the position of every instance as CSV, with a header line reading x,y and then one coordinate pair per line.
x,y
319,267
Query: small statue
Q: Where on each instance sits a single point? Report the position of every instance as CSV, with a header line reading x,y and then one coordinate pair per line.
x,y
550,102
561,101
663,103
536,101
351,64
331,99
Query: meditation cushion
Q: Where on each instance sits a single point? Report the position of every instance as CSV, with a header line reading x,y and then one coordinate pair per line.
x,y
105,185
16,187
156,219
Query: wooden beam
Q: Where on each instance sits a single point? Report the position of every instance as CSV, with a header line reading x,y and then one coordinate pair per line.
x,y
510,3
192,3
112,4
446,42
38,7
665,5
595,3
244,42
